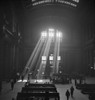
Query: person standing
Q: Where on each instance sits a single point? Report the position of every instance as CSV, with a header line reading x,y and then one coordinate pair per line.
x,y
72,91
12,84
22,77
67,94
75,81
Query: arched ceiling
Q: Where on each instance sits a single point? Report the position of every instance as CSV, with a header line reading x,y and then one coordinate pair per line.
x,y
64,17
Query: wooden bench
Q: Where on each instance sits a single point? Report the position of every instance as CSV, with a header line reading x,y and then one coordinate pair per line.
x,y
39,85
85,86
24,96
88,91
41,89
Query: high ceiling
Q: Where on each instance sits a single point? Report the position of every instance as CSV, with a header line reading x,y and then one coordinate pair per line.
x,y
62,17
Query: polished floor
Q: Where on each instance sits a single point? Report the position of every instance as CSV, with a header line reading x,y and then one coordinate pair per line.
x,y
8,94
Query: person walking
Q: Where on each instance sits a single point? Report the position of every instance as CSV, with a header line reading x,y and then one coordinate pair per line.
x,y
67,94
72,91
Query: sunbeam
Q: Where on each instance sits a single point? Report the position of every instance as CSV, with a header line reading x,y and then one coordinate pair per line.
x,y
50,40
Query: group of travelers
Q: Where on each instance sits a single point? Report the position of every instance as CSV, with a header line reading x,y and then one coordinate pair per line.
x,y
68,93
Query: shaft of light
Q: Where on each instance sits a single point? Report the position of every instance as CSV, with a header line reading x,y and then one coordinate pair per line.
x,y
46,53
58,50
32,56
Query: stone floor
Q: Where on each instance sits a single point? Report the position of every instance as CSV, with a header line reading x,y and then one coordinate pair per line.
x,y
8,94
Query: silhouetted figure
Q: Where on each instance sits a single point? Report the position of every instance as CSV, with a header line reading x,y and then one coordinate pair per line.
x,y
17,75
29,75
47,98
67,94
75,82
80,81
22,77
12,84
72,91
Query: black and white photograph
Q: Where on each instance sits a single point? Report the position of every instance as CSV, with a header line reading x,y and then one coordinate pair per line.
x,y
47,49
